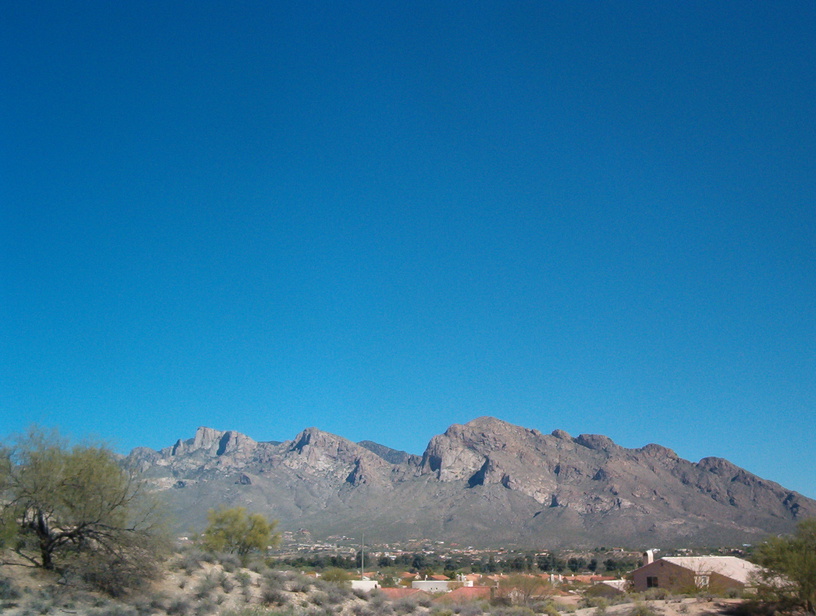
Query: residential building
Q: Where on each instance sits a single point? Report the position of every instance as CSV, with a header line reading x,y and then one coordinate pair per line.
x,y
692,573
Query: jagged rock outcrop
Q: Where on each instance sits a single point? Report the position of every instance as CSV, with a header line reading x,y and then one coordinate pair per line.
x,y
394,456
486,482
213,442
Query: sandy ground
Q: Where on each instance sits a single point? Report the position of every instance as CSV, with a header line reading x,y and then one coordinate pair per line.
x,y
675,607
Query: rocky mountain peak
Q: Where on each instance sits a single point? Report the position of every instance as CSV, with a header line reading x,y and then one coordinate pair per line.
x,y
314,439
393,456
318,451
658,451
214,443
497,427
483,482
205,438
598,442
718,466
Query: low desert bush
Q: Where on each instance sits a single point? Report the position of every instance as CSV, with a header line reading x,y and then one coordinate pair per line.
x,y
469,609
112,575
655,594
277,579
256,610
378,600
404,605
548,608
337,594
150,604
243,578
114,609
301,584
362,610
642,609
381,606
752,607
38,605
207,605
273,596
258,566
180,606
227,583
8,591
230,562
189,560
516,610
319,598
206,586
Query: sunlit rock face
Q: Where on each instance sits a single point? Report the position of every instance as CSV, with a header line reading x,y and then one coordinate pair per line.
x,y
483,483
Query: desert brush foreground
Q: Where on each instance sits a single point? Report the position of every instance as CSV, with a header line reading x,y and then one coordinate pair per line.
x,y
193,582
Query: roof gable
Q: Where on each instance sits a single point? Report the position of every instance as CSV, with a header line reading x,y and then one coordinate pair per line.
x,y
727,566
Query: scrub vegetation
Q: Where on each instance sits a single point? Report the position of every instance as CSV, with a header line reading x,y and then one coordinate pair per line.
x,y
76,510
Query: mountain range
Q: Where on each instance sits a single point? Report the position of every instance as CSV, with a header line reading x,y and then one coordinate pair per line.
x,y
486,483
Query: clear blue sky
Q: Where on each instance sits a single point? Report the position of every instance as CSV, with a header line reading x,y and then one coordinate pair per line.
x,y
382,218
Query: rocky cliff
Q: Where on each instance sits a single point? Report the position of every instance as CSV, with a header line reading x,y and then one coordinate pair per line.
x,y
486,482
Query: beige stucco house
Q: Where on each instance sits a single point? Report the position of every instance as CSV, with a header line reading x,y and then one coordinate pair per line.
x,y
692,573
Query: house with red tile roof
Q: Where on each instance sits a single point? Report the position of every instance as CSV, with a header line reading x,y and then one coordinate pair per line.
x,y
401,592
585,579
467,593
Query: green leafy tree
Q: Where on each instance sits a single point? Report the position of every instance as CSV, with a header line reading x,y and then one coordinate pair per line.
x,y
790,564
336,575
61,505
384,561
236,532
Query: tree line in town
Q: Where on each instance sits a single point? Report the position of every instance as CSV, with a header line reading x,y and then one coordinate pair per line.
x,y
528,562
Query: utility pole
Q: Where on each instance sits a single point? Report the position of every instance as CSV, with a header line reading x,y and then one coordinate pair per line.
x,y
362,557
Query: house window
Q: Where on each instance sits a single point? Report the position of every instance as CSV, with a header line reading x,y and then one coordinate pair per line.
x,y
651,581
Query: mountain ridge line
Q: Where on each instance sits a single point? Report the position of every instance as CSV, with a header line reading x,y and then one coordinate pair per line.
x,y
485,482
